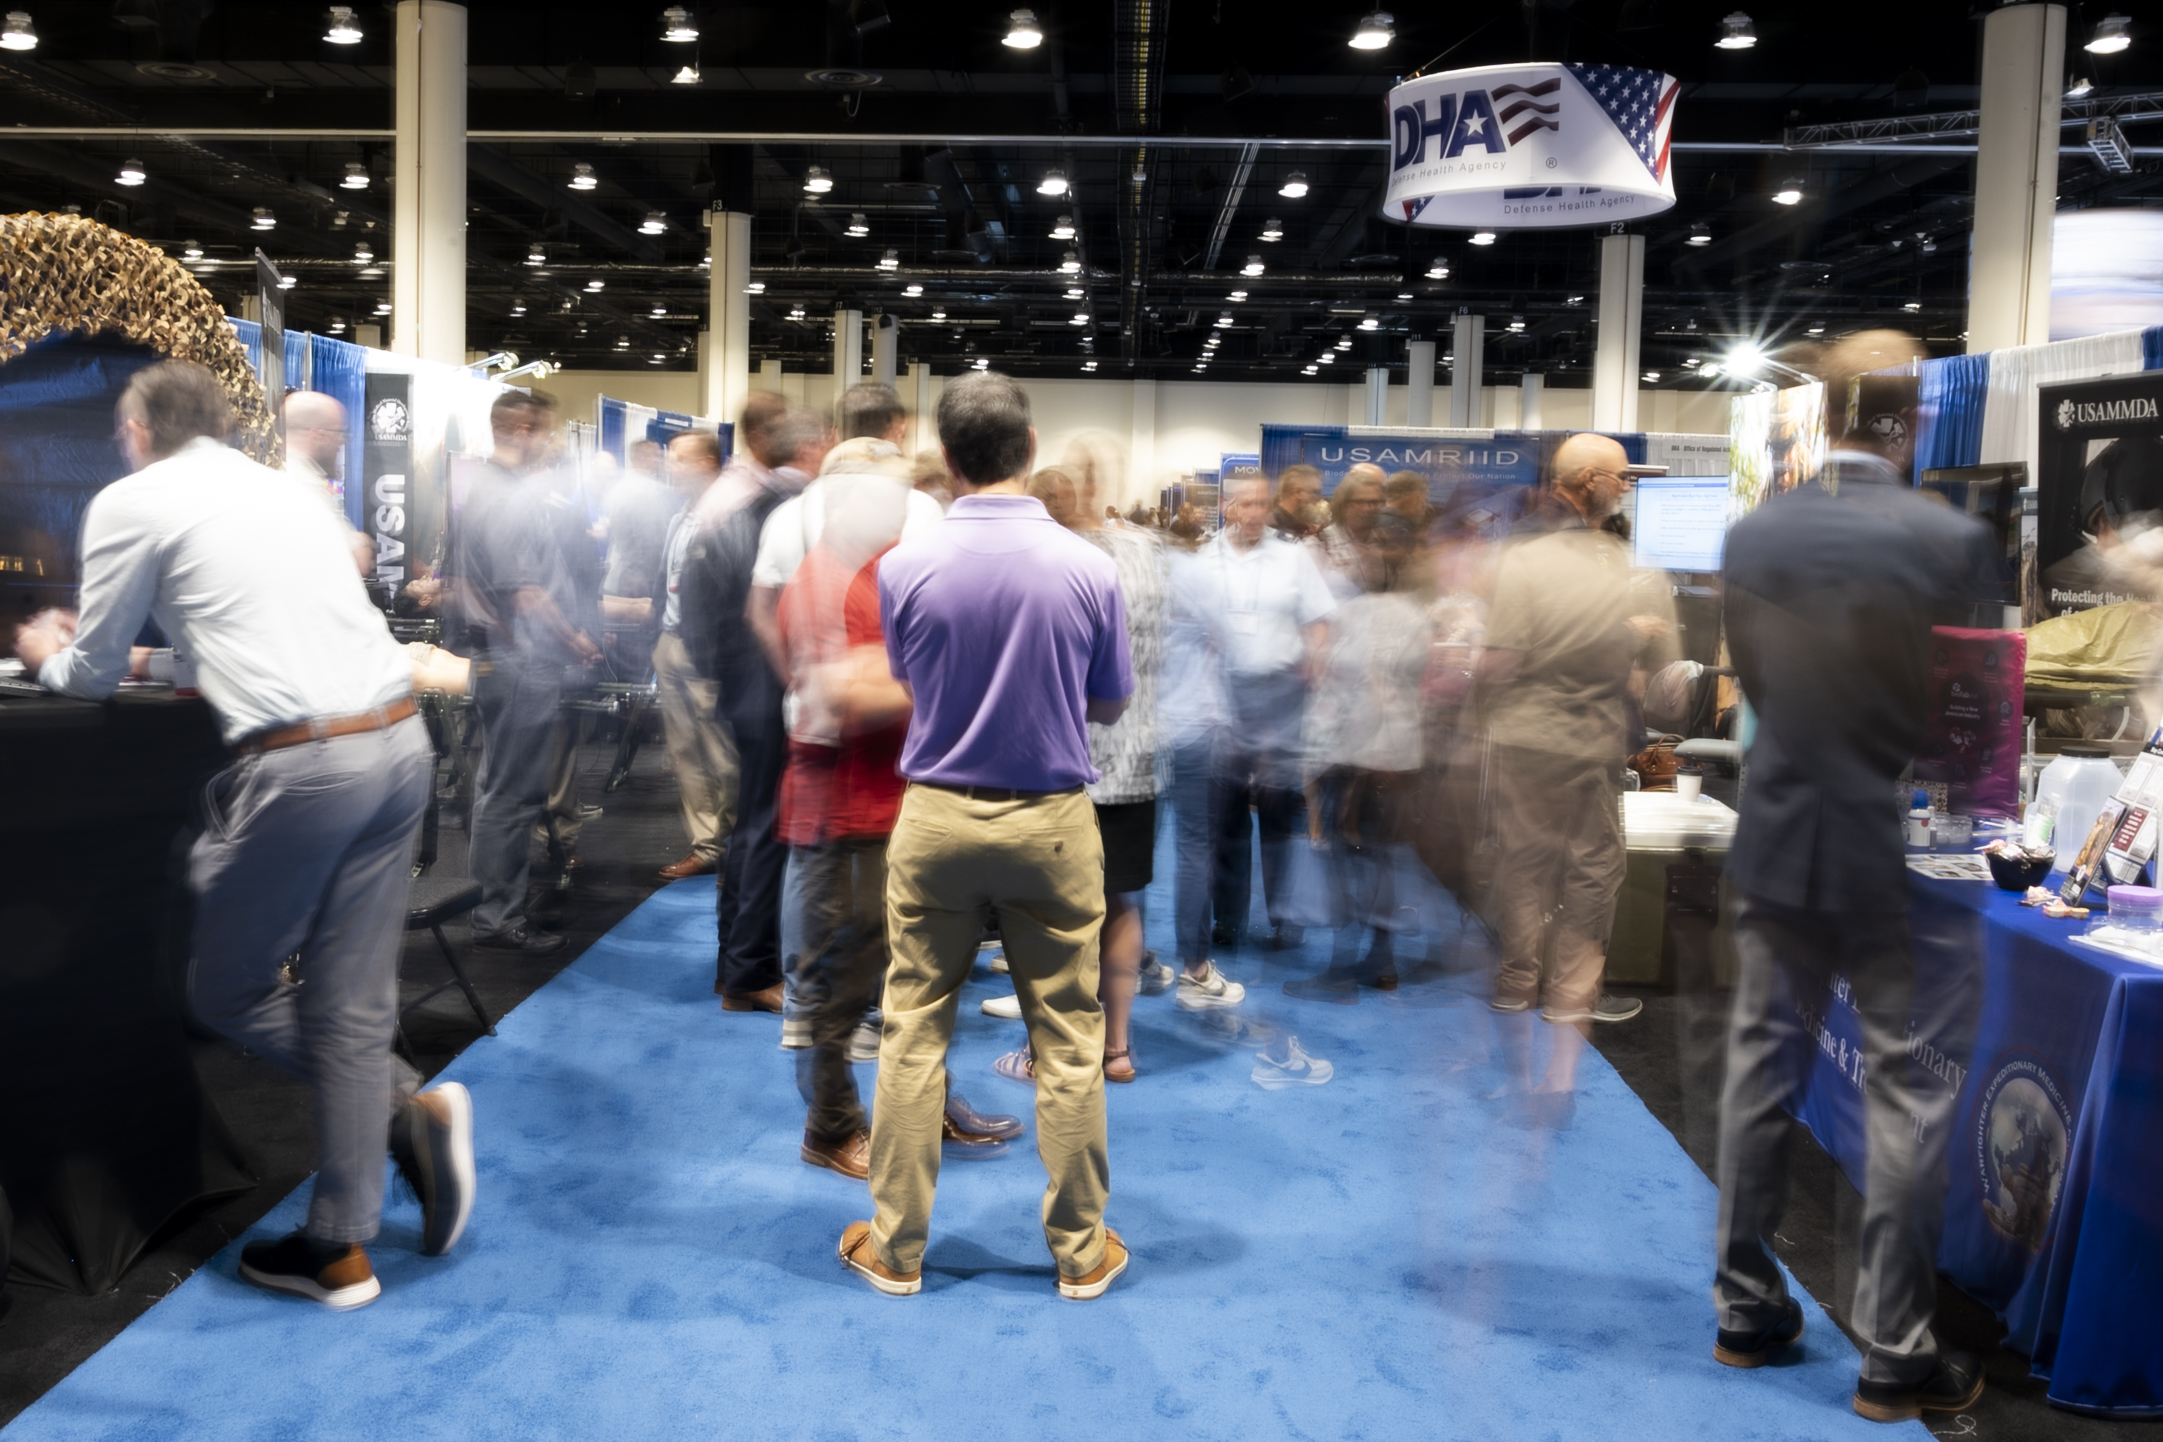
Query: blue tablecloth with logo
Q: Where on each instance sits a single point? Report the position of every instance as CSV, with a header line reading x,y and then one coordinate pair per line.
x,y
2054,1202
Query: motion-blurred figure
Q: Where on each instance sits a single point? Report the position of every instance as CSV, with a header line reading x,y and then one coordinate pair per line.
x,y
315,438
1830,599
1299,500
1345,549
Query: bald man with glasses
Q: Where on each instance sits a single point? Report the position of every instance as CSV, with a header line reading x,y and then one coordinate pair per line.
x,y
315,438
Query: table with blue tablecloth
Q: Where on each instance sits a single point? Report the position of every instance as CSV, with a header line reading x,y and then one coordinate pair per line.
x,y
2054,1199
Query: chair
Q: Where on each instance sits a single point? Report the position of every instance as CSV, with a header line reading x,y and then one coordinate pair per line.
x,y
435,900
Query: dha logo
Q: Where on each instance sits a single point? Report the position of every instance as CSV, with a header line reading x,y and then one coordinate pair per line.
x,y
1461,122
2097,413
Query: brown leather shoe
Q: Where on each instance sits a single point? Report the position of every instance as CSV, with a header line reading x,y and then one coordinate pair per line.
x,y
692,865
858,1255
1095,1282
952,1131
766,1000
850,1156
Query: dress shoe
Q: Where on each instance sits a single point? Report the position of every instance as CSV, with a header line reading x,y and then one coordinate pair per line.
x,y
851,1156
951,1134
1751,1349
860,1257
987,1124
1287,937
526,939
1095,1282
767,999
692,865
1954,1387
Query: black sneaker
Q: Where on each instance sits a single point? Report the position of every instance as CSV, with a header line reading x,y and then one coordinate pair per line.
x,y
335,1274
526,939
1953,1387
1287,937
432,1142
1753,1349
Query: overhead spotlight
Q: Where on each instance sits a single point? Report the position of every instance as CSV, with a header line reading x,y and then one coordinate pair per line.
x,y
1736,33
1710,370
1790,192
1700,234
1815,330
1063,228
756,287
1140,175
1070,264
1295,186
264,220
1272,229
1404,295
536,254
1213,342
582,177
623,342
1311,370
655,223
1375,31
1911,307
1089,365
1344,342
1236,296
1371,323
1022,31
1440,270
2079,87
593,287
338,219
518,307
1652,378
1483,237
356,176
1074,293
705,262
1200,366
363,255
1328,357
131,173
1224,321
383,307
1253,267
287,282
817,181
677,26
344,26
1081,317
685,75
858,226
1574,300
890,261
1053,183
659,311
18,33
191,249
1744,360
983,363
2113,33
912,291
337,325
796,312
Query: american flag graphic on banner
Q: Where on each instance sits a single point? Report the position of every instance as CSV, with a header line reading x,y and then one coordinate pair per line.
x,y
1642,105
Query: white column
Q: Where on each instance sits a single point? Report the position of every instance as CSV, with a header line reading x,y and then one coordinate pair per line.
x,y
1142,438
1622,313
848,350
724,359
1469,345
885,348
1528,405
2016,177
428,192
769,377
1419,383
1377,398
916,395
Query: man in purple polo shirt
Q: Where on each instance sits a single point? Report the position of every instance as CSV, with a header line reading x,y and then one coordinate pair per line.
x,y
1008,631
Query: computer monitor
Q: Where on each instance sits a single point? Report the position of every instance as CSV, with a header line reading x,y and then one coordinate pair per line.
x,y
1681,523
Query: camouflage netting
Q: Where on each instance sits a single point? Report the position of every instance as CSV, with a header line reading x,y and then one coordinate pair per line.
x,y
65,274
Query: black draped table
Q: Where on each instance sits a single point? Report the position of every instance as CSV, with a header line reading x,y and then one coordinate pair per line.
x,y
105,1134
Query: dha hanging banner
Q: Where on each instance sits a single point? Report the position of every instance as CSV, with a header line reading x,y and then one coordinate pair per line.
x,y
1530,146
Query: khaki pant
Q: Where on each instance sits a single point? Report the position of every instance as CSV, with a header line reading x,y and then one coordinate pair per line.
x,y
700,749
1558,869
1039,864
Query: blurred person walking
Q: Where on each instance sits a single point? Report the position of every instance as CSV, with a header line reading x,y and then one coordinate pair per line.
x,y
315,441
1345,548
306,840
1299,501
635,517
515,602
1831,591
570,512
1009,634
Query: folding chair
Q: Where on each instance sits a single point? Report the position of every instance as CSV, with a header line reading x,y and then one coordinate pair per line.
x,y
436,900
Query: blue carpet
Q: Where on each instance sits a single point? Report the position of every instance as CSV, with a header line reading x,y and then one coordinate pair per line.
x,y
1381,1257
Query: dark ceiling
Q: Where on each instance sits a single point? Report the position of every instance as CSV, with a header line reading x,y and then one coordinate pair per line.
x,y
1118,87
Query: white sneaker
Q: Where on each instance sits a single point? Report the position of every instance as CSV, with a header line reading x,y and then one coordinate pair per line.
x,y
1296,1070
796,1032
1007,1007
994,957
1213,991
1157,978
864,1041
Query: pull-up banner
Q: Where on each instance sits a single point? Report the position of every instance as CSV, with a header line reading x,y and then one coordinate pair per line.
x,y
1531,146
386,469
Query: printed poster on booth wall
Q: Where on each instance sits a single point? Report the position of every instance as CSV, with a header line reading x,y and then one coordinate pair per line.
x,y
1776,442
1477,481
1972,730
2099,480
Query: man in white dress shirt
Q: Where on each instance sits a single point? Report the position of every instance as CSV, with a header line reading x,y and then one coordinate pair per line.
x,y
315,433
307,838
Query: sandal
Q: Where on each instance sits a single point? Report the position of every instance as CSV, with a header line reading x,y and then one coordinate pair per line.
x,y
1118,1074
1017,1066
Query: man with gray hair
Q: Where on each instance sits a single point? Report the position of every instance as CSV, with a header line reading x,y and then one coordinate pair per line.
x,y
308,836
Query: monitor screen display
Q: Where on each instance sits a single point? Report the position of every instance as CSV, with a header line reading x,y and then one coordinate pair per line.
x,y
1681,523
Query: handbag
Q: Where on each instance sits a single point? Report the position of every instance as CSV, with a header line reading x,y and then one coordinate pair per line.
x,y
1656,764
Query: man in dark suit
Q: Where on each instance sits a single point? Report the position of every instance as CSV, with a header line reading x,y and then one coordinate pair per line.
x,y
1831,591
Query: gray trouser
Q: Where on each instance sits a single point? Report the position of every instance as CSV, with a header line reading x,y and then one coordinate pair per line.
x,y
309,849
516,704
1786,962
843,960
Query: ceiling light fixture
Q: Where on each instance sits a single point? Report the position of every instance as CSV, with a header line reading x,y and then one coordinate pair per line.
x,y
1404,295
660,310
1700,234
192,249
938,312
705,262
1311,370
817,181
1815,330
582,177
1344,342
518,307
983,363
756,287
1022,31
1295,186
383,307
1236,296
1081,317
677,26
362,255
1070,264
1328,357
1483,237
1744,360
1652,377
594,286
356,176
912,291
264,220
344,26
1224,321
858,226
131,172
796,312
1790,192
1253,267
1440,270
287,282
1911,307
890,261
623,342
1736,33
1375,31
654,224
1272,229
18,33
2078,87
1063,228
536,255
337,324
1213,342
1074,293
1053,183
2113,33
1371,323
685,75
1089,365
1574,300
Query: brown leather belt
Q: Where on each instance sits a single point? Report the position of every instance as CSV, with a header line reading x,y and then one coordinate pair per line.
x,y
302,732
996,793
